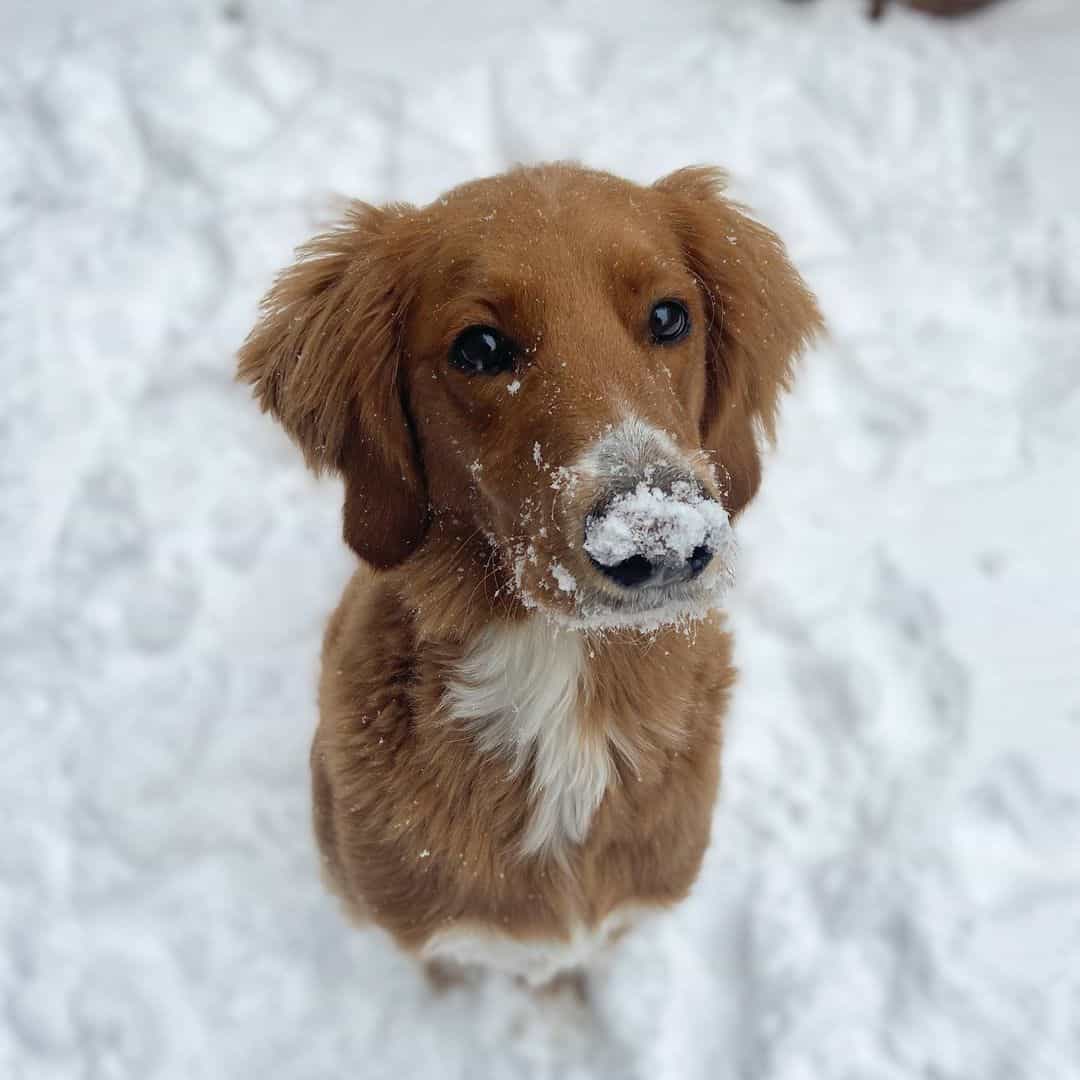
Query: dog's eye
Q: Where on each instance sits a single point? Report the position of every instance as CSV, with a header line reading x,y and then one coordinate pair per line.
x,y
669,321
482,350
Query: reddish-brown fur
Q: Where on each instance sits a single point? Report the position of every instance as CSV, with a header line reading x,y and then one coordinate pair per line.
x,y
442,480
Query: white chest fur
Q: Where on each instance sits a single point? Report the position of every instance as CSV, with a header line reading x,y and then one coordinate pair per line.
x,y
536,961
518,691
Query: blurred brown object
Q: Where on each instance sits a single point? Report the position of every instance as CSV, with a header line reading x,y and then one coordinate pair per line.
x,y
933,7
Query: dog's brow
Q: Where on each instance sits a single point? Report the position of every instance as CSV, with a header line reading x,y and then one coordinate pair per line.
x,y
639,270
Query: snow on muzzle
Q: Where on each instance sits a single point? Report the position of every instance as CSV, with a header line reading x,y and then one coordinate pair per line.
x,y
655,536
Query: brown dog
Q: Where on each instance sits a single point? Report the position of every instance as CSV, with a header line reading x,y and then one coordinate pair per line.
x,y
544,393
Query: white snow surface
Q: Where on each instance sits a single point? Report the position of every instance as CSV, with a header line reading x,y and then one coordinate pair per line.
x,y
893,886
658,524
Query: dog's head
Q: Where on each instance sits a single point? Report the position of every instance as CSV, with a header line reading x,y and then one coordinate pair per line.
x,y
571,366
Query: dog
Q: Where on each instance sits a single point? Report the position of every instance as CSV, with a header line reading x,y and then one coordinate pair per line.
x,y
546,394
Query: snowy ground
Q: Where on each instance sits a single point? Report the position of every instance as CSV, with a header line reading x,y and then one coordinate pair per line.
x,y
894,887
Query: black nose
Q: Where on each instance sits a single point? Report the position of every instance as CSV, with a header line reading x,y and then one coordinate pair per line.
x,y
637,571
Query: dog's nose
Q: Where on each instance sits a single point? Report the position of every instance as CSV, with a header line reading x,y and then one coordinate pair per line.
x,y
637,571
653,535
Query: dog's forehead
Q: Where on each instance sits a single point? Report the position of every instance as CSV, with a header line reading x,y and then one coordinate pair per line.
x,y
538,229
557,190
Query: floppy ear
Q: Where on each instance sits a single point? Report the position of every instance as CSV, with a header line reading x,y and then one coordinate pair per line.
x,y
324,359
761,317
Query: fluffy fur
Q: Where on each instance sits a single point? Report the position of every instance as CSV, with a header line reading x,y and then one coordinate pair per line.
x,y
512,748
517,691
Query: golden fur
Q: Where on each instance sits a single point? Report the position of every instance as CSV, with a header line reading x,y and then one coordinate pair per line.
x,y
462,493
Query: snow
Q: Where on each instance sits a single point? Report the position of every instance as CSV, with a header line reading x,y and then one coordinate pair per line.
x,y
661,525
563,578
893,887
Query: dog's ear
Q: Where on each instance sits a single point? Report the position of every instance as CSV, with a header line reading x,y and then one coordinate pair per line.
x,y
760,317
324,359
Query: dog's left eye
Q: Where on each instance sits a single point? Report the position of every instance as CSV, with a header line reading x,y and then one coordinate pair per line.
x,y
482,350
669,321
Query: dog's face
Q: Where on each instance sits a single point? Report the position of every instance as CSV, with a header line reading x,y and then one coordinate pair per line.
x,y
567,364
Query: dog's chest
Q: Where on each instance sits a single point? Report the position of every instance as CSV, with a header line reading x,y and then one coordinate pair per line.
x,y
518,693
536,960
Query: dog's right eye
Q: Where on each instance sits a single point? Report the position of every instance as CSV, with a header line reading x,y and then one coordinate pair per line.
x,y
482,350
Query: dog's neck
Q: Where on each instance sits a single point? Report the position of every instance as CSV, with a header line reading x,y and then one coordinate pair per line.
x,y
578,711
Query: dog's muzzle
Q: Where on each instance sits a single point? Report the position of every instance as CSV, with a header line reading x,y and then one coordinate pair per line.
x,y
658,533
